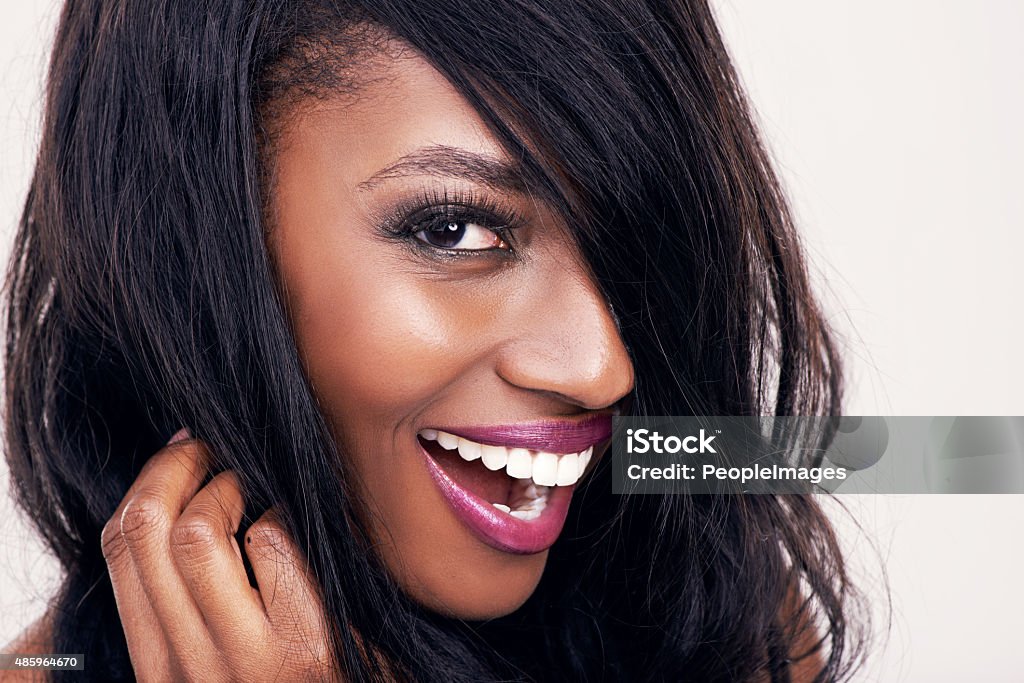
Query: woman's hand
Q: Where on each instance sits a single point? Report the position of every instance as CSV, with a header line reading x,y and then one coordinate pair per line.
x,y
186,605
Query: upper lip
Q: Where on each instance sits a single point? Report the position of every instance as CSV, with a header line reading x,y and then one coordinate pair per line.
x,y
553,436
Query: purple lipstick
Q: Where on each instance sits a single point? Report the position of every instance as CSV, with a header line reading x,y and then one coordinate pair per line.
x,y
511,484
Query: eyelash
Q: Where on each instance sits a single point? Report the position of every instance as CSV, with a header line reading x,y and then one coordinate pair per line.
x,y
414,216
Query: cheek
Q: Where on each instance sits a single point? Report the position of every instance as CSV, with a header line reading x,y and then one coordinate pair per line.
x,y
377,346
380,342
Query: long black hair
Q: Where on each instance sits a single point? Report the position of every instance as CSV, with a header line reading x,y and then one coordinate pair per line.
x,y
141,297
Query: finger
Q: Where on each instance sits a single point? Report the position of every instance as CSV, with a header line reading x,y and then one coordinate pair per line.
x,y
207,556
162,490
147,646
156,461
286,587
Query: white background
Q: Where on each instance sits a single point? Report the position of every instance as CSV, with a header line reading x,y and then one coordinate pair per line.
x,y
896,127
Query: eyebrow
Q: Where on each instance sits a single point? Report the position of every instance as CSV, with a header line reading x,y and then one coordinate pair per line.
x,y
453,162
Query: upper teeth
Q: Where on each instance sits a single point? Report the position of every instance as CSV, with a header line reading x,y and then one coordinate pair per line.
x,y
546,469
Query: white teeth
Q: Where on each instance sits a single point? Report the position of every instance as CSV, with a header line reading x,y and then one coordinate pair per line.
x,y
494,457
520,464
528,500
537,504
568,469
545,468
525,514
584,459
469,450
447,441
503,508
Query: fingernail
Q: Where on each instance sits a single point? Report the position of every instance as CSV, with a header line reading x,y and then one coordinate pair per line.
x,y
180,435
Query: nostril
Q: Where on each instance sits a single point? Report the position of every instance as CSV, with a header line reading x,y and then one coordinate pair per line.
x,y
568,344
592,376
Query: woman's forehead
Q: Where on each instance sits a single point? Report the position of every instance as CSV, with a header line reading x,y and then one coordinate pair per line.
x,y
404,118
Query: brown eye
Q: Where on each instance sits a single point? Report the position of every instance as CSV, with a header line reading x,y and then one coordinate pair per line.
x,y
462,235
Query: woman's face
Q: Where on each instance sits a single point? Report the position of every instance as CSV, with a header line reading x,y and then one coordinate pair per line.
x,y
464,358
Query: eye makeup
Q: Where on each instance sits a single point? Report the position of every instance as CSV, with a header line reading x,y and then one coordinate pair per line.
x,y
435,222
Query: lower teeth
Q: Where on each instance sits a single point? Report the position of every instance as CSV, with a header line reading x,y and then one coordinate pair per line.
x,y
528,505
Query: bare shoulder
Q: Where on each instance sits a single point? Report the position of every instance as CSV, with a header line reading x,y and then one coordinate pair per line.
x,y
37,639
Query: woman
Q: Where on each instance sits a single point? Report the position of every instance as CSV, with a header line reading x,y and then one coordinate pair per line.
x,y
393,266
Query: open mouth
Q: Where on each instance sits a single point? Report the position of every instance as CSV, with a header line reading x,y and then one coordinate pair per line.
x,y
516,481
513,498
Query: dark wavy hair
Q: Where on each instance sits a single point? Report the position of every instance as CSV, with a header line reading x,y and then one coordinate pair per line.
x,y
141,297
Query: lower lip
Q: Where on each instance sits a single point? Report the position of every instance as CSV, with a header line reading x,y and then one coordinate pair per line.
x,y
498,529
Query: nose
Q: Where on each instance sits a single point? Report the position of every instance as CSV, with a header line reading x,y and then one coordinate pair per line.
x,y
566,343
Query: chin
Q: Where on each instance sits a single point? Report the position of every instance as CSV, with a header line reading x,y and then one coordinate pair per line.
x,y
483,595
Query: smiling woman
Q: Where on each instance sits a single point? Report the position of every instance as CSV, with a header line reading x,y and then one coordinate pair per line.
x,y
395,266
413,257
